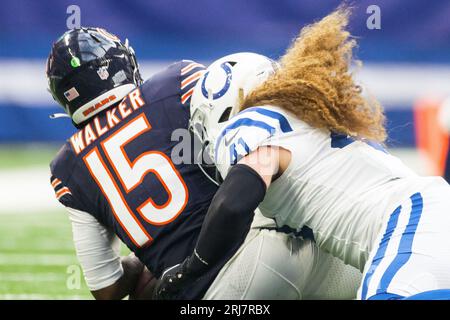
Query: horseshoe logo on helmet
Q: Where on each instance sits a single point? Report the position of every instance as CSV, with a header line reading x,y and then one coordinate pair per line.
x,y
226,67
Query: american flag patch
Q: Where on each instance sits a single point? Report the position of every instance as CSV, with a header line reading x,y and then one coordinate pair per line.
x,y
71,94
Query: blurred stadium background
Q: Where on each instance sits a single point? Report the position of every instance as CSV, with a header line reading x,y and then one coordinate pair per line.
x,y
406,66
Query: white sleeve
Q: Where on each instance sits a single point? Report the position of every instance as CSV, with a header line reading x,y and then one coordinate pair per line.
x,y
97,248
245,132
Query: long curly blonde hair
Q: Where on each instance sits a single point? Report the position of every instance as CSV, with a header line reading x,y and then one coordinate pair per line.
x,y
315,84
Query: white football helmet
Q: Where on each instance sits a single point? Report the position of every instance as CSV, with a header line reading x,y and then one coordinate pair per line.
x,y
219,92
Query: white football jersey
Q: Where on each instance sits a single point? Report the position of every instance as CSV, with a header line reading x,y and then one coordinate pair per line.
x,y
339,187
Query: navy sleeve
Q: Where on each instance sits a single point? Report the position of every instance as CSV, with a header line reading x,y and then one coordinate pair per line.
x,y
62,168
177,80
190,73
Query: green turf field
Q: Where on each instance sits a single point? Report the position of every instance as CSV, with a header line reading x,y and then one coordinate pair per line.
x,y
16,156
37,258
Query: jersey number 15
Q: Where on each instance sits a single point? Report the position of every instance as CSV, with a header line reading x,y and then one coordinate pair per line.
x,y
131,175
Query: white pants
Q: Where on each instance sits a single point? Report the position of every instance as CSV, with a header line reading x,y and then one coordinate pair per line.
x,y
274,265
412,252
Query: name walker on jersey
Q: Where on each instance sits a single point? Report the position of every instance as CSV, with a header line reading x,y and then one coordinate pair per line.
x,y
84,137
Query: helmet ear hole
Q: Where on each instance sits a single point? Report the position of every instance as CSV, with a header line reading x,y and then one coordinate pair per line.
x,y
225,115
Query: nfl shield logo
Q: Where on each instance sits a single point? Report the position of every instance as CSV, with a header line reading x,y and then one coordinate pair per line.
x,y
103,73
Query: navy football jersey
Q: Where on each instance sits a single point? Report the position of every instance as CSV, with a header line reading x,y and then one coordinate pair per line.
x,y
118,168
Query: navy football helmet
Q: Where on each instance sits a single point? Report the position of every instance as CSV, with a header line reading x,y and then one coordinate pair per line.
x,y
90,69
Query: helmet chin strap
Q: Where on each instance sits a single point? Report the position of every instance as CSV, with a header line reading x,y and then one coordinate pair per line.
x,y
199,164
58,115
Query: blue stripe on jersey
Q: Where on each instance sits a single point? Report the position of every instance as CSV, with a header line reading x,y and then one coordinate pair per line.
x,y
234,156
439,294
405,247
284,123
392,224
340,140
386,296
246,122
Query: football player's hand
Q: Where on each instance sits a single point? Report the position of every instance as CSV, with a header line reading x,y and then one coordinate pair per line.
x,y
173,280
144,287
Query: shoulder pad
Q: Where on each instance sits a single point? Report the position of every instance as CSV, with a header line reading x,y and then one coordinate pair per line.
x,y
245,132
